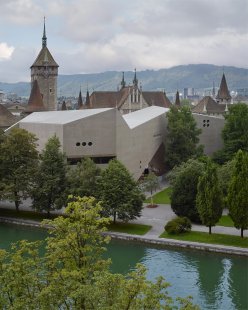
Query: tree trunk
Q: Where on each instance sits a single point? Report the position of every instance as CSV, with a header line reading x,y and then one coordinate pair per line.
x,y
210,232
17,205
114,217
242,233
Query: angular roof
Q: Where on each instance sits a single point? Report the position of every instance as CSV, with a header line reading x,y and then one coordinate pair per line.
x,y
80,101
35,102
177,101
60,117
45,58
223,92
157,98
142,116
6,117
208,106
63,107
104,99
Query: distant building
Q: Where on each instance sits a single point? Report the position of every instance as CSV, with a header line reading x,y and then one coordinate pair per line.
x,y
45,71
128,99
7,119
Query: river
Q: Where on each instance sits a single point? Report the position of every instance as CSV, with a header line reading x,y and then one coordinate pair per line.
x,y
215,281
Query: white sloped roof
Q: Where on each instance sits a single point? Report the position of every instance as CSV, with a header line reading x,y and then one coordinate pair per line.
x,y
61,117
142,116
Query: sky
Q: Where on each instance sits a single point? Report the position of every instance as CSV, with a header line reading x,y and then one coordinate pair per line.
x,y
89,36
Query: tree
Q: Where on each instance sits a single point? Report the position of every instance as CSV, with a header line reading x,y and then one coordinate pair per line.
x,y
119,193
182,139
209,200
82,180
50,180
73,274
184,180
150,184
234,133
19,159
224,175
237,198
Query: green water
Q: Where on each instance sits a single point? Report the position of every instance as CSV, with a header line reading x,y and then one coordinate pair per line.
x,y
215,281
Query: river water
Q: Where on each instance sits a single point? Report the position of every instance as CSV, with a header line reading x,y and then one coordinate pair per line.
x,y
215,281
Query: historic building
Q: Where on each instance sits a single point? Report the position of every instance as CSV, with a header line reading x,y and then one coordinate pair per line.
x,y
127,99
45,71
218,105
7,119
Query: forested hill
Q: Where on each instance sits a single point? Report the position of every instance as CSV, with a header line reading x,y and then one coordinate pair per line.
x,y
197,76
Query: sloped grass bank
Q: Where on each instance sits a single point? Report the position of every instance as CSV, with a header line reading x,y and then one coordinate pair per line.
x,y
162,197
128,228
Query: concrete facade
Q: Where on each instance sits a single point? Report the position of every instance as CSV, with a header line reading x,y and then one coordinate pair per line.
x,y
103,134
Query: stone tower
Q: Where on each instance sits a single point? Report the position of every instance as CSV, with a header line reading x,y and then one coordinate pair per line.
x,y
45,71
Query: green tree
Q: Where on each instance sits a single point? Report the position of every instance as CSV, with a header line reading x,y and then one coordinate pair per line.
x,y
18,162
237,198
82,180
150,183
184,180
224,175
72,274
183,136
50,180
209,200
119,193
234,133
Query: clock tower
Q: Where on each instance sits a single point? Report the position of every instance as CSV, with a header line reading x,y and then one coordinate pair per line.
x,y
45,71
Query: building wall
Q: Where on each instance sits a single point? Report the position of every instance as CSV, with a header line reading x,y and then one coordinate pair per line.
x,y
211,132
47,80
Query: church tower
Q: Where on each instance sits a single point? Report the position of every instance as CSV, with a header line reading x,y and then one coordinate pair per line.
x,y
45,71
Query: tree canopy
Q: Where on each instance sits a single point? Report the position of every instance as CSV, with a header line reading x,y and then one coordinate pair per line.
x,y
183,136
237,198
73,274
119,193
18,162
209,201
184,180
49,191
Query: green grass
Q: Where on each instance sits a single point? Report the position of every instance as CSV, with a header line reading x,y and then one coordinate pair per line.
x,y
226,221
26,215
162,197
134,229
203,237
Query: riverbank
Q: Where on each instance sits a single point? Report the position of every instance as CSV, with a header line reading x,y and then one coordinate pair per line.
x,y
149,239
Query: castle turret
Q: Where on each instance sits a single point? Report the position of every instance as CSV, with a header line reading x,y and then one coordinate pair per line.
x,y
177,101
223,95
45,71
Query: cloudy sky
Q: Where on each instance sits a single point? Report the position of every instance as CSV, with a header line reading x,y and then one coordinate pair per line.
x,y
87,36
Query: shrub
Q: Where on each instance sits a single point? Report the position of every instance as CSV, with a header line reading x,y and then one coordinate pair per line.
x,y
178,225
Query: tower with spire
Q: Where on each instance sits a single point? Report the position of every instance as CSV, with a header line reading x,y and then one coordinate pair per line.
x,y
223,95
45,71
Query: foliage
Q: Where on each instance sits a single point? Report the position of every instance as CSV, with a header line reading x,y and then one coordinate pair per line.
x,y
209,199
73,274
224,176
184,180
182,139
119,193
18,162
237,199
50,180
203,237
234,133
82,180
178,225
150,183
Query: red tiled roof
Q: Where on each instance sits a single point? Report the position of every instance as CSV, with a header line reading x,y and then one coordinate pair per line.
x,y
223,92
157,98
210,105
35,102
6,117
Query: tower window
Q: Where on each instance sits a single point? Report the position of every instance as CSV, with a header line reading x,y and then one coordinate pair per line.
x,y
50,90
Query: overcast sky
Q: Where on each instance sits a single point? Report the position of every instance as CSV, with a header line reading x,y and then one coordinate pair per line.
x,y
87,36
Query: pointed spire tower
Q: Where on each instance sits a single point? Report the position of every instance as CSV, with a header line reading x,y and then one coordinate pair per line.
x,y
123,83
63,107
45,71
223,95
177,101
80,101
35,102
135,80
87,101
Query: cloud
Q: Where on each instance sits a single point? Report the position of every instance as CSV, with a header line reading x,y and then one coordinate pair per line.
x,y
5,51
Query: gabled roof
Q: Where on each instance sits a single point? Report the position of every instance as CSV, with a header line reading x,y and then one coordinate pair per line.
x,y
35,102
104,99
223,92
209,106
45,58
6,117
157,98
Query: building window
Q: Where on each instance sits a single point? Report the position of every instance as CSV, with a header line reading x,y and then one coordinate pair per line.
x,y
90,143
206,123
78,144
102,160
84,143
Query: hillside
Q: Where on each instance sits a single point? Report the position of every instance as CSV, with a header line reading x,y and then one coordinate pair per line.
x,y
197,76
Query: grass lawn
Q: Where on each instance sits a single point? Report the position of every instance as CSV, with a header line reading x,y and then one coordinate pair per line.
x,y
27,215
128,228
226,221
162,197
203,237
